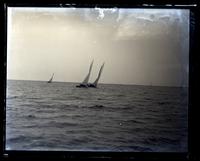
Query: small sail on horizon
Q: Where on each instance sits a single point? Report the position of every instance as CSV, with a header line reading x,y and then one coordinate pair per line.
x,y
85,81
50,80
98,77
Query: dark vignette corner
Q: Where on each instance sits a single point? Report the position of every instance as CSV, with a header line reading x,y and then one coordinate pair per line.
x,y
194,70
2,75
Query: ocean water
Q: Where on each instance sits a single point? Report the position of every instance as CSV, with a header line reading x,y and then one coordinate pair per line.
x,y
59,116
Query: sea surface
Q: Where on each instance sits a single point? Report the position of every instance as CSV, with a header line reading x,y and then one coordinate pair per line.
x,y
58,116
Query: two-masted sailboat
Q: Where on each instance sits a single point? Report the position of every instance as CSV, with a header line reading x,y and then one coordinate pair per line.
x,y
51,79
85,83
94,85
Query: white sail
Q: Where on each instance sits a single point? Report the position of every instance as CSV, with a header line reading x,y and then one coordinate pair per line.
x,y
99,75
85,82
50,80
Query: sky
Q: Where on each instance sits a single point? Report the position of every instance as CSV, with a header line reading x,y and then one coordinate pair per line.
x,y
138,46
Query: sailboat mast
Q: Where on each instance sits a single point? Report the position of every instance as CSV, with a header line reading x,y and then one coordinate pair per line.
x,y
85,82
99,75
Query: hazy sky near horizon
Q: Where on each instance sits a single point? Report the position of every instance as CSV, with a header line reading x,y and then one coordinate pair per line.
x,y
138,46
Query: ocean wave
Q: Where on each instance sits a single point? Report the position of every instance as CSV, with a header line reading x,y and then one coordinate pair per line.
x,y
16,139
120,95
44,117
45,144
79,141
30,126
135,121
162,103
33,98
45,111
160,140
148,99
132,149
60,124
138,129
22,138
12,97
71,97
76,97
31,116
165,103
79,131
124,107
61,116
97,106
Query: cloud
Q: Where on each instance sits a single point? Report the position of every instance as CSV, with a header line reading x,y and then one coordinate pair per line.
x,y
103,10
147,23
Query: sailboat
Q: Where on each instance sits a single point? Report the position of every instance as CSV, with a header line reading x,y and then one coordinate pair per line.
x,y
94,85
50,80
84,84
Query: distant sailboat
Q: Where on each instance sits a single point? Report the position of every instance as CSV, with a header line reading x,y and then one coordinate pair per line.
x,y
50,80
94,85
84,84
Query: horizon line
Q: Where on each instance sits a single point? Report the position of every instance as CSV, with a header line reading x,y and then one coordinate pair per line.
x,y
101,83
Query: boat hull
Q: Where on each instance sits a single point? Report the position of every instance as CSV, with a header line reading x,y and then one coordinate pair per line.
x,y
86,86
82,86
92,86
